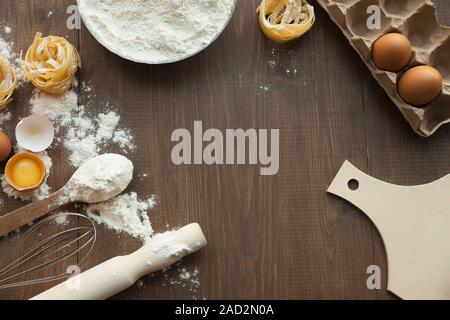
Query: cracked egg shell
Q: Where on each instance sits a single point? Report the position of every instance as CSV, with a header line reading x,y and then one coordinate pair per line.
x,y
35,133
25,171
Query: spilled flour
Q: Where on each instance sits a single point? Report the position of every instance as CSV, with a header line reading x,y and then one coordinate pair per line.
x,y
84,135
85,139
61,219
4,117
59,109
5,49
7,52
87,135
125,213
178,277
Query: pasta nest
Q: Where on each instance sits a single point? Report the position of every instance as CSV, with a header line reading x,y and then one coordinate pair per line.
x,y
51,63
8,82
285,20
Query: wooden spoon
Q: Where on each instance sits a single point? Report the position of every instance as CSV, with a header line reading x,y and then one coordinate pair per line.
x,y
62,197
20,217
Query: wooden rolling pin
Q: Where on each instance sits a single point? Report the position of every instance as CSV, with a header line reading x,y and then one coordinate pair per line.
x,y
119,273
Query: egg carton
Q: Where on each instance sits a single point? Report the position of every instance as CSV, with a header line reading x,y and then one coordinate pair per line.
x,y
417,20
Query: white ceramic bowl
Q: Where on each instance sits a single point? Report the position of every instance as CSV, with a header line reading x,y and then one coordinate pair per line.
x,y
95,33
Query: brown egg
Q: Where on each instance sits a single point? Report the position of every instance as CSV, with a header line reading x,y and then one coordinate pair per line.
x,y
5,146
420,85
392,52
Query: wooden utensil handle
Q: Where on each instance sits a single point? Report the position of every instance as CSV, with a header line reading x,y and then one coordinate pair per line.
x,y
117,274
20,217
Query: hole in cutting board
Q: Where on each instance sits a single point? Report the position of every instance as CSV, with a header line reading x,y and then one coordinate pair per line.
x,y
353,184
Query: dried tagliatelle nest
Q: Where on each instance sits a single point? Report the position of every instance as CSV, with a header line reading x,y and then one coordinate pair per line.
x,y
51,63
8,82
285,20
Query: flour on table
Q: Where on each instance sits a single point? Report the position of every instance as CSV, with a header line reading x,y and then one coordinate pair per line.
x,y
61,219
5,49
86,136
183,277
4,117
59,109
156,30
125,213
143,176
7,52
86,87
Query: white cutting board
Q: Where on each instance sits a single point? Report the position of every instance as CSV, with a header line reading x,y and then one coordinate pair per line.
x,y
414,223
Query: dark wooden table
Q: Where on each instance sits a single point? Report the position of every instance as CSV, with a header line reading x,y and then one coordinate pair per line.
x,y
279,237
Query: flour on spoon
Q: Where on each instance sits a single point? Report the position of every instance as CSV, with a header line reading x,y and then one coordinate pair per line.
x,y
100,179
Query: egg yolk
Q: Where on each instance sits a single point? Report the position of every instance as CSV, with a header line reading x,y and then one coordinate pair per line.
x,y
26,173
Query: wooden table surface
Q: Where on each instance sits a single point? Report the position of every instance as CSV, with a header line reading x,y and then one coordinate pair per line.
x,y
279,237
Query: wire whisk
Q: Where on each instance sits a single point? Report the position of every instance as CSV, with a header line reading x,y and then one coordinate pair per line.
x,y
42,254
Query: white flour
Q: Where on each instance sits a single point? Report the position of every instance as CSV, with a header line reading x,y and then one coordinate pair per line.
x,y
86,136
6,52
61,219
125,213
165,245
5,49
100,179
182,277
59,109
155,30
4,117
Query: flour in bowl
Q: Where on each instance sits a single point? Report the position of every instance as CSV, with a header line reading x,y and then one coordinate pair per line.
x,y
155,30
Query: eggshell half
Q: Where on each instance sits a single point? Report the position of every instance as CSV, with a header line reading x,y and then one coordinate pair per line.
x,y
35,133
